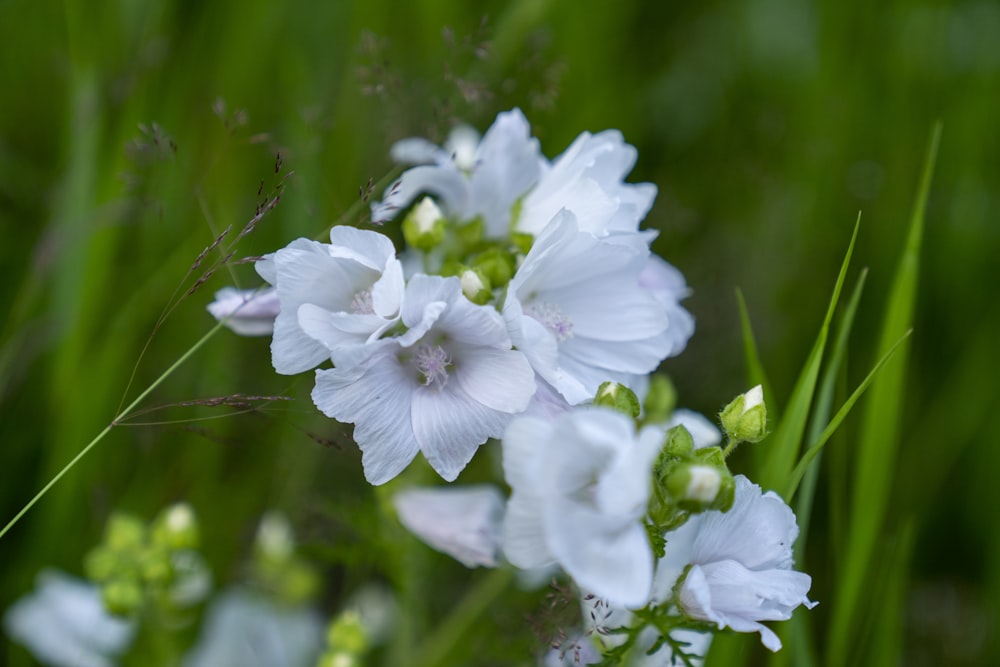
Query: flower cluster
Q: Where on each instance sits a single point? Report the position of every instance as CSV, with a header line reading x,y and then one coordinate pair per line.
x,y
526,283
528,307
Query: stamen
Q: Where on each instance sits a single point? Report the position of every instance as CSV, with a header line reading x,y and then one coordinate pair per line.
x,y
551,318
361,304
433,362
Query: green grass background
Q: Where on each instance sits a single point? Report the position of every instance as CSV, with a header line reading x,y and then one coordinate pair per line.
x,y
767,125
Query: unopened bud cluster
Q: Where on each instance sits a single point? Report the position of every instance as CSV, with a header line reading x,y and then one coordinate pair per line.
x,y
139,564
276,567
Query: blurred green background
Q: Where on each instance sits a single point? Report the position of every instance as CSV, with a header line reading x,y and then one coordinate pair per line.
x,y
132,133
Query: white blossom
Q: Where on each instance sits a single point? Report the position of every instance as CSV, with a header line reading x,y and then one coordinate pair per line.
x,y
667,284
588,180
738,564
580,488
575,308
444,387
484,182
333,296
64,624
464,522
245,629
247,312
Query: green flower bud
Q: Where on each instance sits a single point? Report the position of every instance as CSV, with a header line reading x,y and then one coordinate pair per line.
x,y
274,537
619,397
522,241
679,443
154,565
475,286
122,596
347,633
745,419
661,399
338,659
176,527
424,226
124,532
497,265
101,564
696,485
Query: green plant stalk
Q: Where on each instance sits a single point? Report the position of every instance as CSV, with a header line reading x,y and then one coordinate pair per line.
x,y
455,626
114,422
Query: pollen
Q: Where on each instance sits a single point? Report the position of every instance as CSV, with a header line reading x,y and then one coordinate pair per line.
x,y
361,304
551,318
432,362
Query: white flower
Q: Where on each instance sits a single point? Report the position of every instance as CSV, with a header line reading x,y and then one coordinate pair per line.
x,y
64,624
740,564
703,432
333,296
667,284
486,181
244,629
463,522
444,387
575,308
587,180
580,488
250,312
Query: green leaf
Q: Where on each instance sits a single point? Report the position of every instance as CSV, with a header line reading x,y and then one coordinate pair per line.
x,y
878,440
783,446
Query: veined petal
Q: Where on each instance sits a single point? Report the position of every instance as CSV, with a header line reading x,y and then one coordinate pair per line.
x,y
376,398
501,380
448,185
368,248
450,426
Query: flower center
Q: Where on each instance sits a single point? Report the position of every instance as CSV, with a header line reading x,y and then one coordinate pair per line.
x,y
551,318
361,304
432,363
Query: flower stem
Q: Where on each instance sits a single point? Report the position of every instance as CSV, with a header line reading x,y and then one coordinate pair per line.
x,y
448,633
114,422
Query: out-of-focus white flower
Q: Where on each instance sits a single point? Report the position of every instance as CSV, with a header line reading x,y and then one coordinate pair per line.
x,y
588,180
667,284
245,629
580,488
64,624
740,564
468,183
333,296
703,432
463,522
444,387
250,312
576,310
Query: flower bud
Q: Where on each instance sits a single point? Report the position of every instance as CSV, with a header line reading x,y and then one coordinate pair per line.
x,y
496,265
347,633
424,226
698,484
176,527
618,397
122,596
745,419
124,532
660,399
475,286
679,443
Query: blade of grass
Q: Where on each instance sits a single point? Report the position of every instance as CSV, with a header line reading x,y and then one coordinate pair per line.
x,y
878,439
796,475
783,446
795,634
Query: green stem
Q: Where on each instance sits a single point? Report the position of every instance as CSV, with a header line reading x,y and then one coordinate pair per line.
x,y
465,614
114,422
